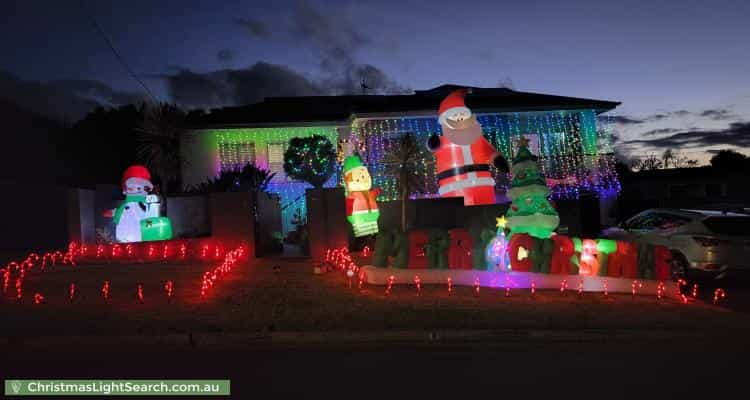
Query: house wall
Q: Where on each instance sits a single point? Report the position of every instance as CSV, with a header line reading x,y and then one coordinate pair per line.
x,y
206,151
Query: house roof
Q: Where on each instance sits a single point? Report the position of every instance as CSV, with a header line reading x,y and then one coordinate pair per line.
x,y
339,109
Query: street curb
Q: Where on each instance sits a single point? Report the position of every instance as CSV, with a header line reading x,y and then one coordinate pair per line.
x,y
229,340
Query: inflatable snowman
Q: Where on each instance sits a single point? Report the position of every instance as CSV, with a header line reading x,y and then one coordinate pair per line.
x,y
138,218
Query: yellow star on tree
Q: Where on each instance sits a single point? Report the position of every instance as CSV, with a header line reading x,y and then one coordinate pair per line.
x,y
501,222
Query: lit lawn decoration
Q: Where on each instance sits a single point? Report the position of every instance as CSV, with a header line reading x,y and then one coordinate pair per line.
x,y
137,218
530,212
463,154
361,206
497,250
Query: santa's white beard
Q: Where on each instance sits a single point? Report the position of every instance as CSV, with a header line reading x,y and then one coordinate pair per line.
x,y
468,132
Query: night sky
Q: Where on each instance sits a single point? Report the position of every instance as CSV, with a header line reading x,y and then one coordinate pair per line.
x,y
679,67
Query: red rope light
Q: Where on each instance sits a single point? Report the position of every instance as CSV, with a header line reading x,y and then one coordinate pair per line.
x,y
139,293
389,286
719,294
105,291
169,287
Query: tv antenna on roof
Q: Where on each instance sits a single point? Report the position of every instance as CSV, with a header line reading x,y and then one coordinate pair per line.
x,y
364,86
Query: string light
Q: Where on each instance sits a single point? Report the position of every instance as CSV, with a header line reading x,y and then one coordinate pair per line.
x,y
72,292
349,276
533,288
450,286
6,279
389,286
660,291
19,289
38,298
139,293
606,289
695,290
680,284
476,287
580,288
575,151
210,277
563,286
719,294
169,287
237,147
418,284
105,291
634,286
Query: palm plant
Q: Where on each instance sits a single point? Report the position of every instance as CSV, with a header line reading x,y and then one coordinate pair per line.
x,y
403,161
158,142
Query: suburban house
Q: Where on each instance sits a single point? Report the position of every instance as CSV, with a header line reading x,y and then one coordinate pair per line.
x,y
570,136
703,187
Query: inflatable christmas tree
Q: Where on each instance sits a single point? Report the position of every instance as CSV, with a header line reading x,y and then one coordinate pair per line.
x,y
530,211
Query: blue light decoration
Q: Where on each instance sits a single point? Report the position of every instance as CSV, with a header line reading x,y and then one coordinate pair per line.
x,y
496,253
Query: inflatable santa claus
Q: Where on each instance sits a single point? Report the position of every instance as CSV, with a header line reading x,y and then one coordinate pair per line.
x,y
463,155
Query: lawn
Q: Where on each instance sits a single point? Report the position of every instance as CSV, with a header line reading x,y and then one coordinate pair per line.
x,y
255,298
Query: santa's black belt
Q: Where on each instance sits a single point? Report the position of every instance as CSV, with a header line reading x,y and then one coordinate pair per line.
x,y
464,169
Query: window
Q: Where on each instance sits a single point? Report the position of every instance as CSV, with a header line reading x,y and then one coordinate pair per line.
x,y
276,160
652,221
235,155
730,226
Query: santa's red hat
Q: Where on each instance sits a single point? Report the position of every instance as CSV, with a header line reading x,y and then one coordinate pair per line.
x,y
135,171
453,102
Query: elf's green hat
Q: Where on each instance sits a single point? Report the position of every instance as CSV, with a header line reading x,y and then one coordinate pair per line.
x,y
352,162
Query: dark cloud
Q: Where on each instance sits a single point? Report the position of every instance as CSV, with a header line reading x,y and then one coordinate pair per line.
x,y
337,40
737,134
237,86
254,27
656,117
225,55
717,114
63,100
624,120
659,131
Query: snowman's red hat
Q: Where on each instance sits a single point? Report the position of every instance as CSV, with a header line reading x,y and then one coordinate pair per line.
x,y
135,171
451,103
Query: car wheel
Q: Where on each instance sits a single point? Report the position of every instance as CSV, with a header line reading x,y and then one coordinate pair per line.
x,y
680,267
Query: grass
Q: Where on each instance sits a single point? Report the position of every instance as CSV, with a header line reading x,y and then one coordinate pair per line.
x,y
254,298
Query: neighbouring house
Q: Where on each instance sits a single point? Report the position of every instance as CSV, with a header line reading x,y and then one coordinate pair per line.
x,y
570,135
703,187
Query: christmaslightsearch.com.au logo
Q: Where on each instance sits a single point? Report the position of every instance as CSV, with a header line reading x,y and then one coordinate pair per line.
x,y
141,387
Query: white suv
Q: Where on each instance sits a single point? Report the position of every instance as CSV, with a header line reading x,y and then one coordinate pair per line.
x,y
704,244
